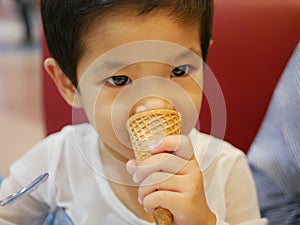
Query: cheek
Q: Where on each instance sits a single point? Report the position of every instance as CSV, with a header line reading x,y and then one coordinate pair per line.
x,y
104,117
194,90
196,96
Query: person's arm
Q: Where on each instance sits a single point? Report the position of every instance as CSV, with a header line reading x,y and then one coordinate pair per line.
x,y
241,197
26,211
275,204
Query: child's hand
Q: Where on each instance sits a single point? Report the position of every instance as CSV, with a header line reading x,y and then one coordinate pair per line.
x,y
173,181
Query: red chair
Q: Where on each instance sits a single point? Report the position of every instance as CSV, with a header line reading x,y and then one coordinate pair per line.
x,y
252,42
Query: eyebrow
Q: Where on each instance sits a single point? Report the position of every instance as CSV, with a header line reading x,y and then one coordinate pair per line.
x,y
112,64
187,53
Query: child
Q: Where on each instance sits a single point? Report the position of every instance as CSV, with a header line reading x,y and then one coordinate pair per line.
x,y
114,59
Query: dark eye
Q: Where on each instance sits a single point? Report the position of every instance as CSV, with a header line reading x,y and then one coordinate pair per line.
x,y
119,80
180,71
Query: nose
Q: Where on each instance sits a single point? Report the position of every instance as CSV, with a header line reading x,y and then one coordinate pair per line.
x,y
151,103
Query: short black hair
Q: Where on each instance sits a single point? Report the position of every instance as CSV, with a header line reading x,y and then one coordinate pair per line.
x,y
66,21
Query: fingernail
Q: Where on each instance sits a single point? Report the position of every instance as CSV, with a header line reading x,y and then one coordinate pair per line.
x,y
130,166
134,177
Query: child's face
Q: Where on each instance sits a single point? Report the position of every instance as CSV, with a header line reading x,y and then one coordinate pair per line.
x,y
137,64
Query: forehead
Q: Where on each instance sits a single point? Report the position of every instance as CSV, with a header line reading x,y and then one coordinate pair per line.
x,y
114,31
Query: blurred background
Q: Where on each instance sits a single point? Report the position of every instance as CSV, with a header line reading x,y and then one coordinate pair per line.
x,y
21,118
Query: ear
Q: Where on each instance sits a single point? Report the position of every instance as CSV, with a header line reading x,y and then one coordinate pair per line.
x,y
211,41
63,83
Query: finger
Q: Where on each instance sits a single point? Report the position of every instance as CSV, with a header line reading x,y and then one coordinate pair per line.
x,y
179,145
162,181
165,199
179,205
172,182
163,162
131,166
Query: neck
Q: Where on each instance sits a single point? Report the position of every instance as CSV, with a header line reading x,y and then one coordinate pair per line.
x,y
114,166
121,182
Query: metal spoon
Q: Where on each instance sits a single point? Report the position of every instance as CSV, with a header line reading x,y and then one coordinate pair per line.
x,y
25,191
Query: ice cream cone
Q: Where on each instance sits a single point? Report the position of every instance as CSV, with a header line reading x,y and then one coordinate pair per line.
x,y
146,128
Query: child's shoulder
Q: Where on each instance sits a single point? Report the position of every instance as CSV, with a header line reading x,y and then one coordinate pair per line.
x,y
58,148
66,140
71,134
70,131
211,150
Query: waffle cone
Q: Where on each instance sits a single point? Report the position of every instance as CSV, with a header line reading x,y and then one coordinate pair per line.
x,y
146,128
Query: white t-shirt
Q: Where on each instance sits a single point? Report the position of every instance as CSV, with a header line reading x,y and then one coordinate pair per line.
x,y
77,182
